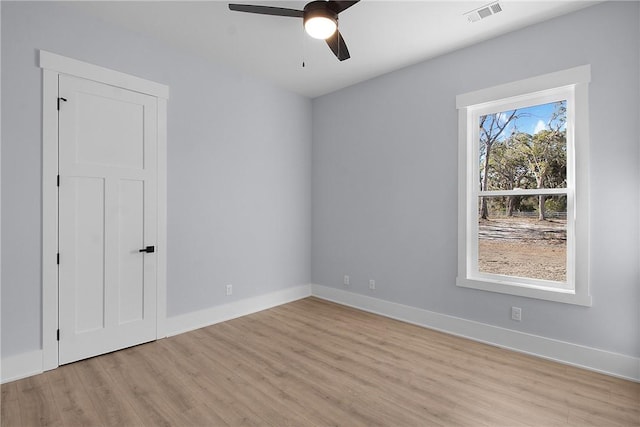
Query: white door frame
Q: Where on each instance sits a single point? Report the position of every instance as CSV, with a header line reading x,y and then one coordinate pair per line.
x,y
52,66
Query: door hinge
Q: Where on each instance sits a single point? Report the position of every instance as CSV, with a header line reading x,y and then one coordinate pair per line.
x,y
58,181
61,99
58,335
58,258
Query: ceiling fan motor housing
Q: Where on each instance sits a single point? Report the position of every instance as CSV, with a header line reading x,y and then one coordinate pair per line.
x,y
319,18
320,9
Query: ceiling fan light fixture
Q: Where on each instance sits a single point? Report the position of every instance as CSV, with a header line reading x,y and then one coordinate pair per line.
x,y
319,18
320,27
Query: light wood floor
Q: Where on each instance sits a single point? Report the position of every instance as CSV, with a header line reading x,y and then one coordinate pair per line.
x,y
314,363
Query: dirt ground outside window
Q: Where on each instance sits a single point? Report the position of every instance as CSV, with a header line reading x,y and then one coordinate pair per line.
x,y
523,247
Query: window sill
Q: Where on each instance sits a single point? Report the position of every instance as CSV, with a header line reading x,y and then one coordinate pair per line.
x,y
548,294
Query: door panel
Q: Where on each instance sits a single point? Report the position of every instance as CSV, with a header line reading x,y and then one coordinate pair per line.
x,y
88,249
131,235
107,202
118,121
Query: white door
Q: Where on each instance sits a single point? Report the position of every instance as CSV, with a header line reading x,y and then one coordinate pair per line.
x,y
107,214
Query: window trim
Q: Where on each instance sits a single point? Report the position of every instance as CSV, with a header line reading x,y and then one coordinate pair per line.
x,y
573,84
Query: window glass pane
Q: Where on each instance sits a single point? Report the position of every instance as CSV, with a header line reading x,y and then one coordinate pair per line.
x,y
524,148
523,236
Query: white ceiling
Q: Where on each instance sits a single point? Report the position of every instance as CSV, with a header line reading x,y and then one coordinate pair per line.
x,y
382,36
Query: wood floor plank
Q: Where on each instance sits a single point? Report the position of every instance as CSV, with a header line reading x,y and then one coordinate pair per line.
x,y
110,406
37,404
192,404
10,406
222,389
296,385
291,412
316,363
76,409
408,387
357,376
394,368
153,400
298,371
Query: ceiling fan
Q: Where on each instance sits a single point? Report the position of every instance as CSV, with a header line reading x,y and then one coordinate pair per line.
x,y
320,20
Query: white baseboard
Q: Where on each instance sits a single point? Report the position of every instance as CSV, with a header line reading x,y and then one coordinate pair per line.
x,y
21,366
618,365
199,319
606,362
31,363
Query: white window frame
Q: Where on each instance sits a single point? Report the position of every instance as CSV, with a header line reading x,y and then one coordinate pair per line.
x,y
570,85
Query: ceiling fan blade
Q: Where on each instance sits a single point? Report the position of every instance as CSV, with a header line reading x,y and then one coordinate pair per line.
x,y
266,10
338,46
338,5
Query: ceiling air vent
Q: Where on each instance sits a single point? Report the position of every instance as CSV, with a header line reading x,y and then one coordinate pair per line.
x,y
483,12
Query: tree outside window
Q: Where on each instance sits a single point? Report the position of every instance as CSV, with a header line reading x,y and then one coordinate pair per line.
x,y
523,235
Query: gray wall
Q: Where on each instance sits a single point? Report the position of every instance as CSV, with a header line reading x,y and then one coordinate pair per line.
x,y
238,168
384,173
384,186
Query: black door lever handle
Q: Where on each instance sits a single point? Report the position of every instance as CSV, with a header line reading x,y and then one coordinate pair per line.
x,y
148,249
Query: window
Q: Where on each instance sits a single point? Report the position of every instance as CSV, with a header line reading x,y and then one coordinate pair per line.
x,y
523,185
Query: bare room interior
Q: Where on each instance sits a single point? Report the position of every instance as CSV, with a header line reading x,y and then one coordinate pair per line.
x,y
426,213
